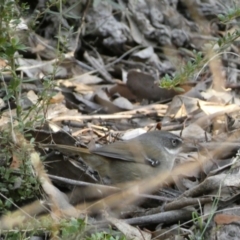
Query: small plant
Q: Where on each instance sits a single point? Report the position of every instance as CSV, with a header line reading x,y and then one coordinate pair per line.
x,y
198,221
183,75
17,182
104,236
199,60
72,229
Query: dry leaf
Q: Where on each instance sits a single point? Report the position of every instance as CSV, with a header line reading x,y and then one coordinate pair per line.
x,y
123,103
57,98
15,164
144,87
123,90
225,219
145,53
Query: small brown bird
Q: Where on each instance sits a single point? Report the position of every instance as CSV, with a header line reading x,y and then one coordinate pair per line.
x,y
139,158
143,160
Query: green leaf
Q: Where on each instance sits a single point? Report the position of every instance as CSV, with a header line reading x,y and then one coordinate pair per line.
x,y
178,89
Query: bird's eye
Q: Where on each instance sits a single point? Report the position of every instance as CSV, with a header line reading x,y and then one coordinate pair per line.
x,y
174,142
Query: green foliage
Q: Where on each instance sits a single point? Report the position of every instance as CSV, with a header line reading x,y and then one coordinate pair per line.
x,y
198,220
16,185
23,234
14,235
66,229
225,41
104,236
184,74
9,20
10,45
230,15
199,61
75,228
72,229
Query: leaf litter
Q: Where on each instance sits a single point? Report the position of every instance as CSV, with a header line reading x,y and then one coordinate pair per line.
x,y
90,104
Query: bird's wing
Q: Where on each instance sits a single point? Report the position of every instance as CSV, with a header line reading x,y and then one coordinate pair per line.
x,y
121,150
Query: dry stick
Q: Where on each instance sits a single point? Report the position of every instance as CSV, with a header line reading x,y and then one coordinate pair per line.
x,y
213,183
177,205
165,217
104,187
184,202
160,109
90,117
99,67
127,196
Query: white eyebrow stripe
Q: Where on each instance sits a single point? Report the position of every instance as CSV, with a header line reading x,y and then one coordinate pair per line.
x,y
172,151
